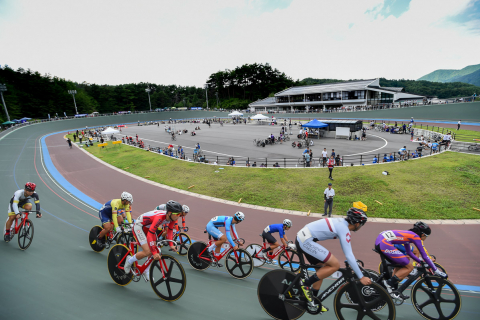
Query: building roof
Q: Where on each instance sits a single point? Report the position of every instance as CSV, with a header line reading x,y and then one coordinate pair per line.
x,y
328,87
397,89
263,102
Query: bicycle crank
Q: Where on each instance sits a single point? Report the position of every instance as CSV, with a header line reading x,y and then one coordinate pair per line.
x,y
397,301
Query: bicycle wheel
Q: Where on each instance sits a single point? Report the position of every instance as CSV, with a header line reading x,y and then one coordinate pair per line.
x,y
125,239
241,269
184,242
25,235
372,295
301,161
170,284
289,260
253,249
352,297
312,163
432,298
92,239
118,253
194,256
439,266
271,286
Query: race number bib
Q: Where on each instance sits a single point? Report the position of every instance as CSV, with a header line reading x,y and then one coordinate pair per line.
x,y
214,218
389,235
304,234
267,229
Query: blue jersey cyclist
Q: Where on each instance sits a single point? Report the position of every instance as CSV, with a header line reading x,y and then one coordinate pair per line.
x,y
113,213
229,224
267,236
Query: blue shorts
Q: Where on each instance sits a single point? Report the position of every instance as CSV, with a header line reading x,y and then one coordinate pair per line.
x,y
104,218
213,231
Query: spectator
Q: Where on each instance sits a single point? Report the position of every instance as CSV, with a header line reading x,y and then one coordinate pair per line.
x,y
307,159
324,156
404,128
80,137
385,158
458,124
74,137
337,160
402,152
69,143
333,153
262,166
331,163
411,134
375,159
328,195
391,158
247,163
254,164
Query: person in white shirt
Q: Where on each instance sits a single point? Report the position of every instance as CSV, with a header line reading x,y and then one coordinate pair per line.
x,y
324,156
458,124
328,195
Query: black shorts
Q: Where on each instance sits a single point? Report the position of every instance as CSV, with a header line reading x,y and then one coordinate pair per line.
x,y
310,259
268,236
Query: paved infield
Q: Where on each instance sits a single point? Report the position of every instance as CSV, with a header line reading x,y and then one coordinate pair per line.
x,y
60,277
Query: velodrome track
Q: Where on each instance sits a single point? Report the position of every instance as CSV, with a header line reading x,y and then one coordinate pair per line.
x,y
60,277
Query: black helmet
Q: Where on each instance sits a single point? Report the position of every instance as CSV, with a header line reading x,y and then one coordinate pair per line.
x,y
355,215
421,228
174,207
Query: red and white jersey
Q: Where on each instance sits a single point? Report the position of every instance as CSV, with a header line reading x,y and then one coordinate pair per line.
x,y
152,220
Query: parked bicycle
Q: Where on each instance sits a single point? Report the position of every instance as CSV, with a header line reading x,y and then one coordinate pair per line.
x,y
288,258
474,147
303,162
297,144
24,228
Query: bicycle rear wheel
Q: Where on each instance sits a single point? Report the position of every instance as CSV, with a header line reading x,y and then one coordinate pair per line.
x,y
253,249
172,286
271,286
352,297
431,297
194,256
241,269
25,235
118,253
372,295
92,239
289,260
184,242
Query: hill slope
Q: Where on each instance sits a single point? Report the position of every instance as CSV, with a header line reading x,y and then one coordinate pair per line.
x,y
472,78
447,75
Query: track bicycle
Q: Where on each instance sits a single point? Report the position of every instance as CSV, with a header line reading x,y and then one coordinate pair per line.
x,y
166,276
281,296
174,138
288,258
430,295
24,228
474,147
239,263
182,239
123,237
390,267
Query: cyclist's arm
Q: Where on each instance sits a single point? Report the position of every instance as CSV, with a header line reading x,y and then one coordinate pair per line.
x,y
283,237
227,231
183,222
426,258
15,201
115,204
37,201
152,236
128,211
345,239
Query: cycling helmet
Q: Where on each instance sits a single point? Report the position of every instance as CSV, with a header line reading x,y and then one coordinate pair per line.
x,y
185,208
174,207
421,228
127,196
355,215
30,186
287,223
239,216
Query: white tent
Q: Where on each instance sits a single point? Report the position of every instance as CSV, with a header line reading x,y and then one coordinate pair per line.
x,y
259,117
109,130
236,114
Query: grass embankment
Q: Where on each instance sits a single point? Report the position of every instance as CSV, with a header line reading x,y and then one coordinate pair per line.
x,y
445,186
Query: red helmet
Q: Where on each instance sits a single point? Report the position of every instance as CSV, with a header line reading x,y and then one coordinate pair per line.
x,y
30,186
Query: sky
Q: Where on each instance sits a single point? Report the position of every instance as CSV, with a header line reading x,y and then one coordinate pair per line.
x,y
183,42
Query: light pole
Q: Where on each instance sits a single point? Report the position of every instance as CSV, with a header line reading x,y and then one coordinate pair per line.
x,y
3,87
148,92
206,93
73,93
184,102
216,93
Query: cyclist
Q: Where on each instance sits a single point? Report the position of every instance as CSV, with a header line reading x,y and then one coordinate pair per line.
x,y
267,235
183,214
21,199
113,213
148,223
229,224
315,253
386,242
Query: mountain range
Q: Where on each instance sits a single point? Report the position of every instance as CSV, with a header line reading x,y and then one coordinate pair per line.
x,y
469,74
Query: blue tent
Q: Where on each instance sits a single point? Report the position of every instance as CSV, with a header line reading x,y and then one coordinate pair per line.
x,y
314,124
26,118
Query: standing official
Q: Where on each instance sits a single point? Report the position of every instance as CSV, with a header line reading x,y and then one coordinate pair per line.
x,y
328,195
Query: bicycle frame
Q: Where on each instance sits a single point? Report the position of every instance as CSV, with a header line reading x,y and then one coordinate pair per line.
x,y
275,253
222,254
23,218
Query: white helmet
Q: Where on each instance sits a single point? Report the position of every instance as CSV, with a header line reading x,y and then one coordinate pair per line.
x,y
185,208
239,216
161,207
287,223
127,196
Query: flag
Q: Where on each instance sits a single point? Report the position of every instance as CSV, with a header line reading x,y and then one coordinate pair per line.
x,y
65,114
49,116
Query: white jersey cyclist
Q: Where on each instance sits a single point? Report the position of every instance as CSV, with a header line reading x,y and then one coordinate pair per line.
x,y
325,229
19,199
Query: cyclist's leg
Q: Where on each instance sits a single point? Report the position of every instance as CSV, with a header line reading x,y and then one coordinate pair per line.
x,y
395,256
106,223
271,241
217,235
11,214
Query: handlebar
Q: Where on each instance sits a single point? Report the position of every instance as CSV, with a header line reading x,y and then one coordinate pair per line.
x,y
240,241
165,242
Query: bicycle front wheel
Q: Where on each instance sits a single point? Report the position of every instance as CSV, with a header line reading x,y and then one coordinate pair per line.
x,y
373,302
25,235
239,264
168,278
289,260
184,242
271,286
432,298
92,239
253,249
117,257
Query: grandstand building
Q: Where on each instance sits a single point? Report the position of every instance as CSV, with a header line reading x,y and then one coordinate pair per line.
x,y
351,95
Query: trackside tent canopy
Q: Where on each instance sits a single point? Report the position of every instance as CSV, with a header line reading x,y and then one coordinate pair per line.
x,y
314,124
110,130
259,117
235,114
8,122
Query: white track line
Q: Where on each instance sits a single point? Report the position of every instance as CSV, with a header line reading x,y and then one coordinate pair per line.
x,y
386,143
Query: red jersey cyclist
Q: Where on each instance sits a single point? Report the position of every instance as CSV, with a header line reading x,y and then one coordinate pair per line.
x,y
22,198
386,242
113,213
183,214
267,235
145,231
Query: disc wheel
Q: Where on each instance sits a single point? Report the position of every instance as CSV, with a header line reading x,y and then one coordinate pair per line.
x,y
184,242
117,256
194,256
351,296
436,298
25,235
253,249
92,239
289,260
169,285
126,239
372,295
239,263
271,286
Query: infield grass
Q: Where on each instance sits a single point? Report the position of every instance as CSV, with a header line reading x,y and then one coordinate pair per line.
x,y
445,186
